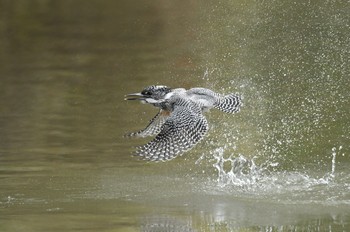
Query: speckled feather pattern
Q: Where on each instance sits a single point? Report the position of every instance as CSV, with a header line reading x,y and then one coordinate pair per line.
x,y
229,104
154,126
183,129
180,123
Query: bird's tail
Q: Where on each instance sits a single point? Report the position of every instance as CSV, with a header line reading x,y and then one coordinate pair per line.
x,y
229,104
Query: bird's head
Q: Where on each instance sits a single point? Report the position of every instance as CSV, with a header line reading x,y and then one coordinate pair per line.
x,y
153,94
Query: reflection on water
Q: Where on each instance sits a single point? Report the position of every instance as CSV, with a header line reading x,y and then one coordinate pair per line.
x,y
279,165
174,224
161,223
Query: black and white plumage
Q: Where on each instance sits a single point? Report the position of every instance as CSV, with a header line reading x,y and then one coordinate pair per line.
x,y
180,123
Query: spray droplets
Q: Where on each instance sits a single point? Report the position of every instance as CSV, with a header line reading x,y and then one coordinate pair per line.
x,y
241,175
237,171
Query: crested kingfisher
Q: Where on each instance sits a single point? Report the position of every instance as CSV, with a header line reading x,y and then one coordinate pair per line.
x,y
180,124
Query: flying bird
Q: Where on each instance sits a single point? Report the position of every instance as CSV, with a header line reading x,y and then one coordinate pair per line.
x,y
180,124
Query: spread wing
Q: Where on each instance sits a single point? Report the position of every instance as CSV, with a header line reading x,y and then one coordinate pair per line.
x,y
154,126
182,130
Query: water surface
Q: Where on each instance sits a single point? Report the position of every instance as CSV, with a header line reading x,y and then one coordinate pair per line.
x,y
281,164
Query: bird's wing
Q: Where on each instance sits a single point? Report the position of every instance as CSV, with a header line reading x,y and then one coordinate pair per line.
x,y
183,129
154,126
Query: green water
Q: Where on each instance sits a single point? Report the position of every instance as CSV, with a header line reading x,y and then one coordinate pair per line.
x,y
65,67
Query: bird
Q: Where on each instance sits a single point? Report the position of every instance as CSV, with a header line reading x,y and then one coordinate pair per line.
x,y
180,123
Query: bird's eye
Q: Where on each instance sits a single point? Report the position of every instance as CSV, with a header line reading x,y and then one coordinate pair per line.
x,y
146,93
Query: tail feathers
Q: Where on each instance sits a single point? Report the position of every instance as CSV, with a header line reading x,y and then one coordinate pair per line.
x,y
229,104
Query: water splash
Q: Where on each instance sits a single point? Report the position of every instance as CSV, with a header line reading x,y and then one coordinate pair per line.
x,y
334,154
330,176
242,175
238,171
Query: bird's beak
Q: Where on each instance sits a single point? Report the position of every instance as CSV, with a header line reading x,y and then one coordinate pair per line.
x,y
134,96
